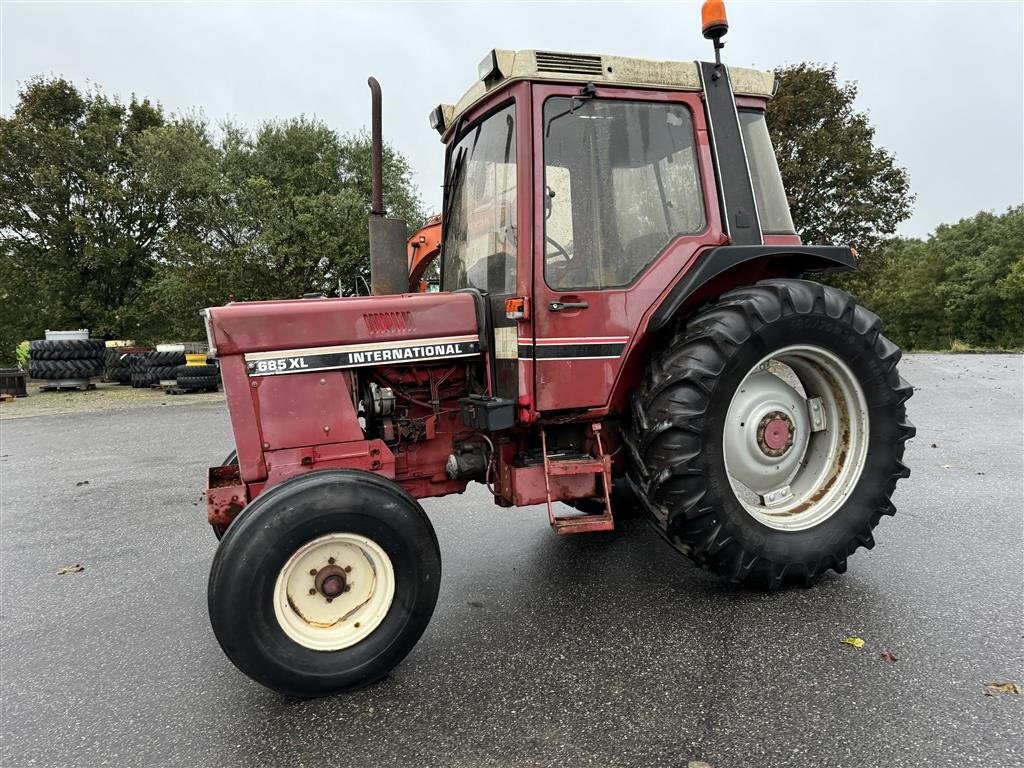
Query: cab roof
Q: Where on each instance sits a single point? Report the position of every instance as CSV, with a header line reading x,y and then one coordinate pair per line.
x,y
600,69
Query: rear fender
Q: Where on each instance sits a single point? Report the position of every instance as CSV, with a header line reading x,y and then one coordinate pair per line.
x,y
729,266
712,273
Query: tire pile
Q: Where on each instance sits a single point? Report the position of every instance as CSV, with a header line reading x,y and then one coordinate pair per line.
x,y
150,368
119,364
67,359
194,377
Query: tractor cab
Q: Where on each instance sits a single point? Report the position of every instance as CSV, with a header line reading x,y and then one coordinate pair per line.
x,y
578,187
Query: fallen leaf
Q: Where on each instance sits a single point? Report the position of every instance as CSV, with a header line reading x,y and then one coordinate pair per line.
x,y
81,482
992,689
888,656
698,764
77,568
934,445
856,642
947,466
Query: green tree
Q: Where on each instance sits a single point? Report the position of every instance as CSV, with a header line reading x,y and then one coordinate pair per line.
x,y
120,219
80,229
964,283
842,188
286,213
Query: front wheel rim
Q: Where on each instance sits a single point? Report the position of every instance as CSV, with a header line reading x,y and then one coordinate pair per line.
x,y
795,437
334,591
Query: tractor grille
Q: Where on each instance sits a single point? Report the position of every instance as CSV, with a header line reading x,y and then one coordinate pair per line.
x,y
388,322
576,63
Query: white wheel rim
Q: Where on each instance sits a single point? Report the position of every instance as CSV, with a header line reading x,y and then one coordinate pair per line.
x,y
794,458
313,611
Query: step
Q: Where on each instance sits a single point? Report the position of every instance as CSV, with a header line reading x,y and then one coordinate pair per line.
x,y
600,465
588,466
583,523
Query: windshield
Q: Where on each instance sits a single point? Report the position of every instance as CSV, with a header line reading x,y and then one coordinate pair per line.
x,y
621,183
480,220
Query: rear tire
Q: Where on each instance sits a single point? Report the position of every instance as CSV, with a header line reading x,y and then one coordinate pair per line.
x,y
682,434
260,581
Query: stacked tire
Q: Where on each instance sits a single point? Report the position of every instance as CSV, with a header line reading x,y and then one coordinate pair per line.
x,y
197,377
118,365
159,366
66,359
138,375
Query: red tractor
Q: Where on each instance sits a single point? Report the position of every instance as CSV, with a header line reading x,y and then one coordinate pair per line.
x,y
624,325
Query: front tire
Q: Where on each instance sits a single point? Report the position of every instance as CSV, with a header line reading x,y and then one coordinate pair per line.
x,y
324,583
768,436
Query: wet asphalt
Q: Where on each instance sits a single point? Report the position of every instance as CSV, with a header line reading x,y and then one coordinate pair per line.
x,y
593,650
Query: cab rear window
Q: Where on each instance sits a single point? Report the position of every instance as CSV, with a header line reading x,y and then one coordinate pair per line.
x,y
769,193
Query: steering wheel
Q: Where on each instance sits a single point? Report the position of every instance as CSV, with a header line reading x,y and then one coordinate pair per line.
x,y
559,249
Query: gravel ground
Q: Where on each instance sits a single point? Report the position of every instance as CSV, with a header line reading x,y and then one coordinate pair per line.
x,y
602,649
105,397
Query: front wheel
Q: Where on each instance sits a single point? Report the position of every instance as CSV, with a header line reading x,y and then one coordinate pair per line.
x,y
324,583
767,438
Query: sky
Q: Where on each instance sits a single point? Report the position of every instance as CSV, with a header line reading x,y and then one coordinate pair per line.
x,y
943,82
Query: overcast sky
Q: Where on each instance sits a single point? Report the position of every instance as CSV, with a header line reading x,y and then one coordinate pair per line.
x,y
942,81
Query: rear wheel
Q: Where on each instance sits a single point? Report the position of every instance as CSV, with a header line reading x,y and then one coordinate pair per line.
x,y
767,439
325,582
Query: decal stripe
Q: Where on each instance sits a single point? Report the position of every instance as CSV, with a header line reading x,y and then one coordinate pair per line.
x,y
357,347
359,355
564,351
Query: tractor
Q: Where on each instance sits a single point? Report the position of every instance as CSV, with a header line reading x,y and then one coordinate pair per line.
x,y
625,324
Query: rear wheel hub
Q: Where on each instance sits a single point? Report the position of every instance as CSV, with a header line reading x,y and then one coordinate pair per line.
x,y
775,434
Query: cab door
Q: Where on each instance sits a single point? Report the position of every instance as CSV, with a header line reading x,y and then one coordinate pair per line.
x,y
619,212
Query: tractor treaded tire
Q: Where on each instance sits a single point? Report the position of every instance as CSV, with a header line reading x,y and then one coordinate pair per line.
x,y
197,382
194,371
161,372
65,369
119,374
116,358
67,349
141,379
136,361
674,434
156,359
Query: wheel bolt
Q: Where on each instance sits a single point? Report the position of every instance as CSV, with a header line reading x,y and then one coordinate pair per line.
x,y
330,561
329,599
348,568
312,590
312,571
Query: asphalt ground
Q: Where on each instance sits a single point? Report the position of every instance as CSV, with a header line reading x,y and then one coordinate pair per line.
x,y
600,649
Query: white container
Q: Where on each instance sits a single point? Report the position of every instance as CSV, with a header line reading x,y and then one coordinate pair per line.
x,y
80,334
170,347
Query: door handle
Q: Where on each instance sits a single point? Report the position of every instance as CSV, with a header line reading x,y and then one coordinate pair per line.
x,y
558,306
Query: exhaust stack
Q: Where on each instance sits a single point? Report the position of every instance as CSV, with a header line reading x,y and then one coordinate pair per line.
x,y
389,272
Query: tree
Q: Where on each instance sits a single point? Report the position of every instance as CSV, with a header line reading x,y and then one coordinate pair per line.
x,y
841,187
79,227
964,283
118,218
286,213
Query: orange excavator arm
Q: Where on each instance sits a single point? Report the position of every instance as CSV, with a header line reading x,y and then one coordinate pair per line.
x,y
423,247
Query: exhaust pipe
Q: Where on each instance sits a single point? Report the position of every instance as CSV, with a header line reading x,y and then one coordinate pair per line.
x,y
389,270
376,149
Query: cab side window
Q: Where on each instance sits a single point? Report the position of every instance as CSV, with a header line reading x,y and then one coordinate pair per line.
x,y
621,182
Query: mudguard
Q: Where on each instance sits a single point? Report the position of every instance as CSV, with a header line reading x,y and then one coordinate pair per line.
x,y
784,261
